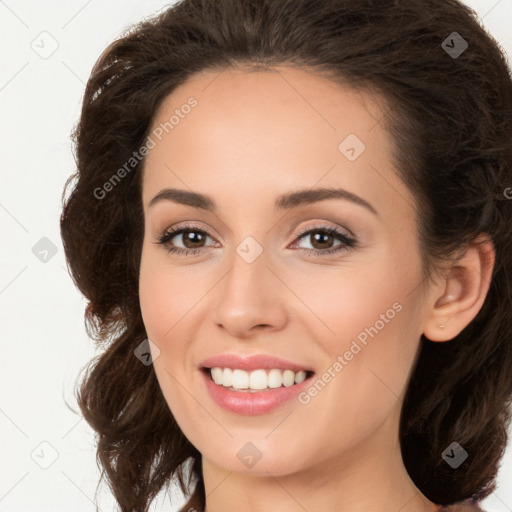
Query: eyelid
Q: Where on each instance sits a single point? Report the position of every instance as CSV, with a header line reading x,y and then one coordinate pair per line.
x,y
176,229
320,224
324,225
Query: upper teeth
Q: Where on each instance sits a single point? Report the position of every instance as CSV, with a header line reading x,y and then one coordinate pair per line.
x,y
257,379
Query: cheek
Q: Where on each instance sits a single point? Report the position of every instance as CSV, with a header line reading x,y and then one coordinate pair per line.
x,y
167,297
344,302
162,306
373,324
153,301
363,383
157,295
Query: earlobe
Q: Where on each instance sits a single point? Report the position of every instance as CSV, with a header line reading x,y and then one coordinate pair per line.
x,y
463,292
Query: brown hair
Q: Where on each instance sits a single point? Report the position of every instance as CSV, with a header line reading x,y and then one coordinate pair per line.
x,y
451,120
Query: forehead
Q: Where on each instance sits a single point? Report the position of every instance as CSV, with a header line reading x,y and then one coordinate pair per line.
x,y
262,130
270,101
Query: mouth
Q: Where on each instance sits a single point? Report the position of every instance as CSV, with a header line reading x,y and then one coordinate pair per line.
x,y
255,381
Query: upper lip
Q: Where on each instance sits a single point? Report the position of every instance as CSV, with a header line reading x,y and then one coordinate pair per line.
x,y
253,362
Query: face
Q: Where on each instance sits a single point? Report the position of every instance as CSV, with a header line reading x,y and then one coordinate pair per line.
x,y
261,278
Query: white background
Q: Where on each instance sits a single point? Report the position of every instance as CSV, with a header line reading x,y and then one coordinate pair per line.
x,y
44,345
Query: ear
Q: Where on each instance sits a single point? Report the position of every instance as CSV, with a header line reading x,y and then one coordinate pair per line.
x,y
459,295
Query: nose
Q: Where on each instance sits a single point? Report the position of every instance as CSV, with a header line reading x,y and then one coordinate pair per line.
x,y
251,298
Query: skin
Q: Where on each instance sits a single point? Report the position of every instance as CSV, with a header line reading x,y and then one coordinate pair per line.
x,y
252,137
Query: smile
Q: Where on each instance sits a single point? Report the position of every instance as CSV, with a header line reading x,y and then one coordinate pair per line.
x,y
256,380
255,392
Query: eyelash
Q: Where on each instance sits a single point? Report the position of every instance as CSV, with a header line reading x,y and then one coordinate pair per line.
x,y
346,245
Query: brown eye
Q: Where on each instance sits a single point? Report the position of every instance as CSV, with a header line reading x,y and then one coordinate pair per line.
x,y
192,238
323,239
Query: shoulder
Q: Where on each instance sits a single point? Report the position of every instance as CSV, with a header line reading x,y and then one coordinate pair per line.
x,y
463,506
192,505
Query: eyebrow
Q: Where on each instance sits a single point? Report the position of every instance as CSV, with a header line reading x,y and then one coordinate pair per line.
x,y
283,202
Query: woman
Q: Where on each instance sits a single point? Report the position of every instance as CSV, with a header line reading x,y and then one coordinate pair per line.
x,y
220,145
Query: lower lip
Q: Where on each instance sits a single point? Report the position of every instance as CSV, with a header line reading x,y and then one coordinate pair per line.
x,y
251,403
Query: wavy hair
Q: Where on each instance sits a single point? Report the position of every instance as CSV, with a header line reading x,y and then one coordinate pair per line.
x,y
450,117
